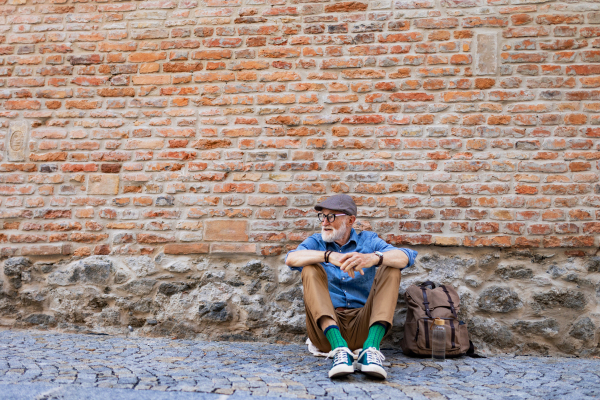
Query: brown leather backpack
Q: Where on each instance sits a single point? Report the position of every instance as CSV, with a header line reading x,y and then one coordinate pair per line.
x,y
425,304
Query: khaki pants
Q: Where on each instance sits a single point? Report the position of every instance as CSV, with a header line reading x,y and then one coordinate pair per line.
x,y
354,323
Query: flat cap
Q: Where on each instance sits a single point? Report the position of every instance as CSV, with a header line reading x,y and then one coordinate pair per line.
x,y
339,202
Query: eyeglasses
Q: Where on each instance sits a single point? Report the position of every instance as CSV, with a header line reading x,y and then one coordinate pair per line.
x,y
329,217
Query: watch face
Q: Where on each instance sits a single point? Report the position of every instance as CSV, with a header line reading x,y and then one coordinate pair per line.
x,y
379,253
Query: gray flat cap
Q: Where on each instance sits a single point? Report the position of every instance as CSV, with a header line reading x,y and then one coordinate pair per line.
x,y
339,202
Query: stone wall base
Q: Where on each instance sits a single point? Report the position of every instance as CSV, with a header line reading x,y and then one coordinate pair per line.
x,y
515,301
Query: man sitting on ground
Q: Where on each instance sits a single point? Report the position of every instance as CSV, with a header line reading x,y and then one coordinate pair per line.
x,y
351,283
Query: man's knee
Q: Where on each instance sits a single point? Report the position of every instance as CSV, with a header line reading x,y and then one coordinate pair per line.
x,y
312,271
390,274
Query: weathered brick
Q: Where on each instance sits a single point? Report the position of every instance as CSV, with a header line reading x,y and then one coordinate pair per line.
x,y
103,184
226,230
348,6
194,248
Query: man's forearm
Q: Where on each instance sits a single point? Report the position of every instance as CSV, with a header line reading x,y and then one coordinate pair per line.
x,y
395,259
301,258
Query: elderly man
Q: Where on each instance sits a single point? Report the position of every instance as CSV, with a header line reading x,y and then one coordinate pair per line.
x,y
351,283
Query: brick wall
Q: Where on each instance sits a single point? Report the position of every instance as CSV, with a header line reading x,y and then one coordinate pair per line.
x,y
130,128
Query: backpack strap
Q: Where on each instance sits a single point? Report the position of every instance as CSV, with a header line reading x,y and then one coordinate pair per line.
x,y
425,302
450,301
427,333
428,283
453,336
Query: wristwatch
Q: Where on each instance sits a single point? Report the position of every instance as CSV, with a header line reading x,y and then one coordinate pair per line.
x,y
380,254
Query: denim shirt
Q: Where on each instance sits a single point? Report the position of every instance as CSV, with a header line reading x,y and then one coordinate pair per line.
x,y
346,291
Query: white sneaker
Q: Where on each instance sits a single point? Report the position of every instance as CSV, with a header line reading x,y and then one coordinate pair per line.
x,y
370,362
343,362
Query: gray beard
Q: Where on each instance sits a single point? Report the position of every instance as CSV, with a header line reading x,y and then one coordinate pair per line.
x,y
334,236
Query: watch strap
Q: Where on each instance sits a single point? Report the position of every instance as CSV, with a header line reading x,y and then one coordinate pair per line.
x,y
380,259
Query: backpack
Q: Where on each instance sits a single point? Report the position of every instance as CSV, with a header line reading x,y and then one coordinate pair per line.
x,y
425,304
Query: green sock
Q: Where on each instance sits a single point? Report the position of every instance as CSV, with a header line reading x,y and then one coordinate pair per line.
x,y
376,332
333,334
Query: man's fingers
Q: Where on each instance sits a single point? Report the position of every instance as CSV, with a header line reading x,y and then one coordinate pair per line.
x,y
348,264
352,262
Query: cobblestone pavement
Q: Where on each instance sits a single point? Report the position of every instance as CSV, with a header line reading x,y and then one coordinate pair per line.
x,y
44,366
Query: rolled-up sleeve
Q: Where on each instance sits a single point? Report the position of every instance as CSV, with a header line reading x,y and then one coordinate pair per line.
x,y
308,244
411,254
381,245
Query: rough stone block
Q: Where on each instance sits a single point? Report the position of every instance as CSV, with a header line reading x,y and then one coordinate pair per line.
x,y
94,270
141,266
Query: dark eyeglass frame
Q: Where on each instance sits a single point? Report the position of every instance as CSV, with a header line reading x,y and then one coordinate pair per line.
x,y
330,217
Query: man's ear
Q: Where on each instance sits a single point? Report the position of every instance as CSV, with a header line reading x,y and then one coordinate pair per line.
x,y
352,219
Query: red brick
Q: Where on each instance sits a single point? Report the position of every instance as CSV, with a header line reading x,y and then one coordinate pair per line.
x,y
228,230
568,241
233,248
192,248
348,6
487,241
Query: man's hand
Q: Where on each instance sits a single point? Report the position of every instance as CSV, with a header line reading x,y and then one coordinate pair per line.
x,y
353,262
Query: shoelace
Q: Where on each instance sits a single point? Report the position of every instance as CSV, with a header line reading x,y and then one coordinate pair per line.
x,y
339,355
374,356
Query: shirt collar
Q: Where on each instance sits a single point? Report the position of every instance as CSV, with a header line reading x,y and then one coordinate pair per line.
x,y
353,237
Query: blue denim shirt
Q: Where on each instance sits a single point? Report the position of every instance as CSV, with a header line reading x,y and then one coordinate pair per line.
x,y
344,290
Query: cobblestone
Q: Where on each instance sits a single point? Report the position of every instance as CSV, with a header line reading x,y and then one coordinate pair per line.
x,y
41,365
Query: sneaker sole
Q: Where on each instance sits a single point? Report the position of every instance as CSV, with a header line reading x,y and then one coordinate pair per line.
x,y
341,371
373,370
